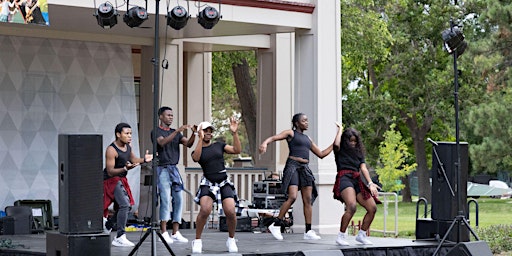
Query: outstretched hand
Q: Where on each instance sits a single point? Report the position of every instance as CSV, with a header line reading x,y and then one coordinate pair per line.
x,y
148,157
233,126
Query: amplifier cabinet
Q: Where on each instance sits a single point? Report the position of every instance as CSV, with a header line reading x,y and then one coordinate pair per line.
x,y
270,187
268,201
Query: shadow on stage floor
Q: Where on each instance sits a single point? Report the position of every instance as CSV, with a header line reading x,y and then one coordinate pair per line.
x,y
249,243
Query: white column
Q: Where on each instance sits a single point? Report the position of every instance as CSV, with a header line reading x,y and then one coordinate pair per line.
x,y
197,74
318,95
275,98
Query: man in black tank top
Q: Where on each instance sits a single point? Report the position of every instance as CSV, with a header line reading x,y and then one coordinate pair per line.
x,y
119,159
297,175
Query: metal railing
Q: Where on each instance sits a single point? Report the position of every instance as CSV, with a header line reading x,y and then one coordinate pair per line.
x,y
385,203
243,178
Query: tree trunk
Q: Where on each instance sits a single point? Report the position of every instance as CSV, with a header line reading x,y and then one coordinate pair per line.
x,y
406,192
247,98
418,134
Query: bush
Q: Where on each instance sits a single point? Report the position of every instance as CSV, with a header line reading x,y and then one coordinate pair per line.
x,y
498,237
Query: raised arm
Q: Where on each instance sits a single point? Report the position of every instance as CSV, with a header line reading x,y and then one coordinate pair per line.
x,y
337,139
196,154
164,140
281,136
237,146
190,141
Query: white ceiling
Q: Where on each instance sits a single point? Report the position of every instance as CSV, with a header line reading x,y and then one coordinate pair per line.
x,y
79,23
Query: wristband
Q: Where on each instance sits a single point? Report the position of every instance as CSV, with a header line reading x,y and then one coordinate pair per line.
x,y
195,133
370,183
125,169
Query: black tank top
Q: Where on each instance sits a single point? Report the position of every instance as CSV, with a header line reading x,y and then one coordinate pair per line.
x,y
121,159
299,145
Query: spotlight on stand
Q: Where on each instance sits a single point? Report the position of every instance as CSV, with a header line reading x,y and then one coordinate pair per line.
x,y
177,18
106,15
454,40
208,17
135,16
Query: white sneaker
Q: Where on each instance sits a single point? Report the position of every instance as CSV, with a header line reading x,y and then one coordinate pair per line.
x,y
166,237
276,231
179,238
362,238
197,246
231,244
122,241
342,239
311,235
105,229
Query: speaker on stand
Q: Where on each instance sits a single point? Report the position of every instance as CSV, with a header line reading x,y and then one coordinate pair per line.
x,y
444,205
80,184
80,199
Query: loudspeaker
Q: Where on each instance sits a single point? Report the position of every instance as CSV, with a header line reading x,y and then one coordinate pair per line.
x,y
80,184
477,248
444,205
436,229
58,244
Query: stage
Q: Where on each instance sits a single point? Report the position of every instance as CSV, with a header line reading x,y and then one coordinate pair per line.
x,y
249,243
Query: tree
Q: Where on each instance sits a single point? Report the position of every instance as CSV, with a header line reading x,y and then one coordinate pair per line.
x,y
393,158
491,124
413,82
233,92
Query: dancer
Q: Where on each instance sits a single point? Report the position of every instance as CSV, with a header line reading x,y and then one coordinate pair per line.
x,y
349,187
297,175
215,181
119,159
170,182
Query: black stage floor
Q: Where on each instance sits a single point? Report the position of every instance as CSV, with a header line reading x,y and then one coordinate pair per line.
x,y
249,243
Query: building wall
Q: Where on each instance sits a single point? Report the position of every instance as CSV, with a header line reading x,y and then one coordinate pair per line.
x,y
50,87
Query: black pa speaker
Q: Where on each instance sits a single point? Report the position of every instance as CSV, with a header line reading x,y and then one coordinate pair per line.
x,y
58,244
477,248
444,205
80,184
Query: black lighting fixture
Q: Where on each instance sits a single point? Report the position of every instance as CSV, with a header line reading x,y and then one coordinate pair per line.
x,y
106,15
135,16
178,17
454,40
209,17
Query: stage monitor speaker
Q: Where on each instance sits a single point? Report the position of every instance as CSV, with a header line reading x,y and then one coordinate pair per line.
x,y
58,244
444,205
80,184
476,248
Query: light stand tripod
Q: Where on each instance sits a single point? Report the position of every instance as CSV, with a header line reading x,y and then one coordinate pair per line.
x,y
454,43
153,229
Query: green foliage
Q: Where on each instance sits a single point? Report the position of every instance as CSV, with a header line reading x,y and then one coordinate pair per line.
x,y
498,237
393,157
491,126
225,101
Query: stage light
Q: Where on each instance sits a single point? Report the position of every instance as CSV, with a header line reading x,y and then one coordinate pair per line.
x,y
135,16
208,17
454,40
106,15
177,18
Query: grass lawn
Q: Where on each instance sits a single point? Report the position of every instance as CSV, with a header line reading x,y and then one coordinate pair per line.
x,y
491,212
